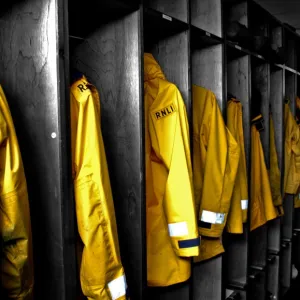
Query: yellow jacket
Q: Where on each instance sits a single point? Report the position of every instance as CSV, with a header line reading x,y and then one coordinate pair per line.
x,y
17,262
297,196
292,152
216,158
101,272
239,202
172,234
275,175
262,208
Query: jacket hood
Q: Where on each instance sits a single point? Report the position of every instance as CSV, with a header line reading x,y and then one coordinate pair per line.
x,y
152,69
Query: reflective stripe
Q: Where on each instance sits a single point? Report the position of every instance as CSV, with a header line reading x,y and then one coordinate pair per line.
x,y
178,229
244,204
189,243
118,287
212,217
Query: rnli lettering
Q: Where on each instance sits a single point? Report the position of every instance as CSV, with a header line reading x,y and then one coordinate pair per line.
x,y
165,112
82,87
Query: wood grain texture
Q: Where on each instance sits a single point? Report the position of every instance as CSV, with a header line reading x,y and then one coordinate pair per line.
x,y
206,14
238,85
207,70
174,8
111,59
207,280
29,74
172,54
276,99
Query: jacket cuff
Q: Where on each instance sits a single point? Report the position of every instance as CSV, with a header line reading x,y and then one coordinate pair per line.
x,y
211,224
186,247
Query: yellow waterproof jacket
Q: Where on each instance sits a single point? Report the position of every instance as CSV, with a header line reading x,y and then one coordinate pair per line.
x,y
172,234
292,152
262,208
216,158
275,175
239,202
297,197
16,259
101,272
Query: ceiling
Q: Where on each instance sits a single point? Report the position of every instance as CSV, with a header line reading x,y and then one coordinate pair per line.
x,y
287,11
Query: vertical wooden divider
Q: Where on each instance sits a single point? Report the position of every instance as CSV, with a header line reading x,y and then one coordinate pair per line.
x,y
276,100
31,74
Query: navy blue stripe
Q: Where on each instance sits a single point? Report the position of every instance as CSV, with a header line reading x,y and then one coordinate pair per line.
x,y
189,243
204,224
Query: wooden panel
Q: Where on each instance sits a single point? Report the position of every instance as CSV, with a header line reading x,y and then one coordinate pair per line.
x,y
238,85
276,35
207,278
276,99
207,70
207,15
290,50
273,276
174,8
287,219
29,71
257,287
258,246
172,55
239,12
110,58
236,258
261,81
286,265
274,235
290,89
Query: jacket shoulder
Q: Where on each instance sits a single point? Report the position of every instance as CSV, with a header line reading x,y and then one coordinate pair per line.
x,y
80,89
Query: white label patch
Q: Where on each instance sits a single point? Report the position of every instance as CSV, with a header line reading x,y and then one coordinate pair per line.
x,y
118,287
212,217
167,17
244,204
178,229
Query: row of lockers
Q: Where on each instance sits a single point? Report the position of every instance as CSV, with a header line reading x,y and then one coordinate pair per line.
x,y
40,40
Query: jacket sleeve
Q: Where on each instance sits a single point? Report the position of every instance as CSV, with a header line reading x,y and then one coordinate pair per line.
x,y
292,153
222,158
101,273
170,142
15,229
